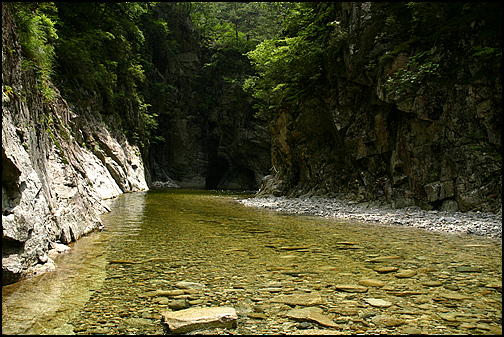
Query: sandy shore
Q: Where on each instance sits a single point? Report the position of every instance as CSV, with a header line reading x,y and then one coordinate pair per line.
x,y
477,223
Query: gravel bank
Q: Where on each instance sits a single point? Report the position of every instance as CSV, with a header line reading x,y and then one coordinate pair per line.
x,y
477,223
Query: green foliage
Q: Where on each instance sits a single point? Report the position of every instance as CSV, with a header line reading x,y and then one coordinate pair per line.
x,y
7,93
125,55
421,68
227,31
149,122
487,53
240,25
286,67
37,35
100,56
466,29
292,66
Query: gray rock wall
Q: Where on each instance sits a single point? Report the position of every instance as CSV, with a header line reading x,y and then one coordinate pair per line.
x,y
433,144
57,166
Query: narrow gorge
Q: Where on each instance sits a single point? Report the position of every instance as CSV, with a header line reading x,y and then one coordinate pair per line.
x,y
364,102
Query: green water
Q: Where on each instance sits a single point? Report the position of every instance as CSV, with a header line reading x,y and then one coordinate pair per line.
x,y
155,239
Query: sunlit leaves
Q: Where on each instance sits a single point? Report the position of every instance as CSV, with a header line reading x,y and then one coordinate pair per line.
x,y
286,68
37,35
242,24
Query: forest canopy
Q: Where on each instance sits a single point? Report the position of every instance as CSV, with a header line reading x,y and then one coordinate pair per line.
x,y
109,51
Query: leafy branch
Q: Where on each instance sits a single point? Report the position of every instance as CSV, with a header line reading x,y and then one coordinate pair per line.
x,y
420,68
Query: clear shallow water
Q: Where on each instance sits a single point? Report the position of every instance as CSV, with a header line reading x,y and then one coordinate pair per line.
x,y
246,257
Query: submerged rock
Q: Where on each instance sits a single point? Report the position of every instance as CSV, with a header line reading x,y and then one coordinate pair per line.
x,y
386,259
372,283
350,288
387,321
406,273
189,285
299,299
384,270
312,315
199,318
378,302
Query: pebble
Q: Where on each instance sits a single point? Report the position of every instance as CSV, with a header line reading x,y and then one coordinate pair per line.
x,y
381,259
474,223
372,283
466,269
312,315
384,270
405,273
387,321
378,302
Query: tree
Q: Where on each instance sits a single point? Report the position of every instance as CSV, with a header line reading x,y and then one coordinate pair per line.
x,y
243,24
292,65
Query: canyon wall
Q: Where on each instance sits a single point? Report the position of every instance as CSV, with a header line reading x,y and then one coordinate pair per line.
x,y
434,143
58,165
211,136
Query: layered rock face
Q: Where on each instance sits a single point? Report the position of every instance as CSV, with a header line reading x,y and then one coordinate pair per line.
x,y
433,144
57,166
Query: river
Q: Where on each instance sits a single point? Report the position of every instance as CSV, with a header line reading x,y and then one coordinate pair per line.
x,y
415,281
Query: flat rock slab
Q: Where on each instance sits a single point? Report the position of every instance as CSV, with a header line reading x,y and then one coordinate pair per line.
x,y
384,270
309,314
378,302
371,283
495,285
299,299
189,285
350,288
454,296
294,247
390,258
200,318
466,269
432,283
406,273
387,321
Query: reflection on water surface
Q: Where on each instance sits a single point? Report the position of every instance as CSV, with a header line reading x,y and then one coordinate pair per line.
x,y
439,283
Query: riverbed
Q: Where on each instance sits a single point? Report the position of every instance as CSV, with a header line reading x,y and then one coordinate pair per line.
x,y
476,223
356,277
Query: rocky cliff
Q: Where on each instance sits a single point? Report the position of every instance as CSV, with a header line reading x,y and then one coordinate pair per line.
x,y
58,165
402,124
211,138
